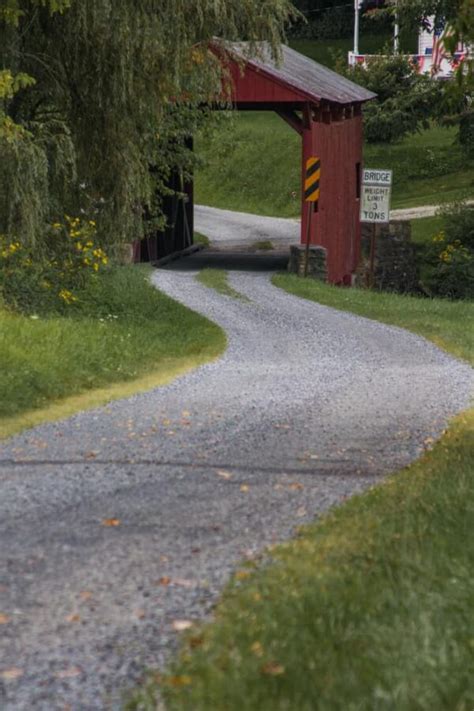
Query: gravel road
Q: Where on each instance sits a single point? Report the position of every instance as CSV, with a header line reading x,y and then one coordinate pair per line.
x,y
230,230
196,476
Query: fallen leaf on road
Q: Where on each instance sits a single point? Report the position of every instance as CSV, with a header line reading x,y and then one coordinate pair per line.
x,y
301,512
186,413
224,475
242,575
273,669
182,625
296,487
111,522
91,455
140,614
11,674
166,422
85,595
244,488
182,582
4,619
165,580
73,618
182,680
68,673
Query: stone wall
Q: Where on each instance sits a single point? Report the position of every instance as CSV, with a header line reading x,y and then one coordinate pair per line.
x,y
317,261
395,263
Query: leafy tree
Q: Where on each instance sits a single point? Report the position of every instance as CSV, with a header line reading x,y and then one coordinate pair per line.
x,y
406,100
94,92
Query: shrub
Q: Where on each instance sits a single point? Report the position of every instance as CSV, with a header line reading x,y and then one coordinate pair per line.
x,y
466,132
450,256
51,279
406,101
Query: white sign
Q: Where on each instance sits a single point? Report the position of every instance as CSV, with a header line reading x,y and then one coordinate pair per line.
x,y
375,197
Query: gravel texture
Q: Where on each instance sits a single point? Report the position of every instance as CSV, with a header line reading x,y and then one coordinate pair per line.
x,y
229,229
199,474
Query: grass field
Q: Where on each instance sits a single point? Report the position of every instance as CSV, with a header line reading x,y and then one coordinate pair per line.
x,y
370,608
424,229
252,164
123,331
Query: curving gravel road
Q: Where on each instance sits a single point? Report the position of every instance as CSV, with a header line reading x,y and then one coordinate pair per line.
x,y
233,230
198,474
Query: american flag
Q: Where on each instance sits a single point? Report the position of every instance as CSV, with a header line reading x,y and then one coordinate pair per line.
x,y
440,35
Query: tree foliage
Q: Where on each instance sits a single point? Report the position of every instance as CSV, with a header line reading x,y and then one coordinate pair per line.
x,y
94,92
406,100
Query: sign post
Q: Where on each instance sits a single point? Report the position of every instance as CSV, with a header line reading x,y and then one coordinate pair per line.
x,y
311,196
375,206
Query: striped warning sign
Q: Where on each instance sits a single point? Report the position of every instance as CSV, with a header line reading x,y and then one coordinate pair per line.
x,y
311,183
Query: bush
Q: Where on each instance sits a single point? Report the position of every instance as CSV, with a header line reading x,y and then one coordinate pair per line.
x,y
51,278
450,256
466,132
406,101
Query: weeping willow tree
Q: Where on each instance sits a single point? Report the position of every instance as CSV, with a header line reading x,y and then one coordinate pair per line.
x,y
95,92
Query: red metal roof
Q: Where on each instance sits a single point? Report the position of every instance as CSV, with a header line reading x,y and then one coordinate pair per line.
x,y
309,80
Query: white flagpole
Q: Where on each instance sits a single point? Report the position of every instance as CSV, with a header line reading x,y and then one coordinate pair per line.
x,y
357,4
396,32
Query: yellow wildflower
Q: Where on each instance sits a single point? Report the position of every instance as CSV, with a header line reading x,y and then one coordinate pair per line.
x,y
67,296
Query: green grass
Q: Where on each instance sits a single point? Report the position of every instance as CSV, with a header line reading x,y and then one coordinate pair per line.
x,y
252,164
263,246
124,330
424,229
217,279
201,239
369,608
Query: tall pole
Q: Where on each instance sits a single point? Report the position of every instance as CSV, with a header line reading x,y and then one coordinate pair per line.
x,y
396,32
357,4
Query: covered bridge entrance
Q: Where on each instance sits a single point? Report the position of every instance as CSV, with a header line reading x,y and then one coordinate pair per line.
x,y
325,109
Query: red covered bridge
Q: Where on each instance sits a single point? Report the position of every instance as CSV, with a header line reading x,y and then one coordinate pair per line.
x,y
325,109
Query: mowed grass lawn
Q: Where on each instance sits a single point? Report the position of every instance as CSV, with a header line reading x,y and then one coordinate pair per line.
x,y
123,330
253,164
369,608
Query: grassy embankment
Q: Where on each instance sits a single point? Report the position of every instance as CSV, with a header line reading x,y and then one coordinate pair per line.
x,y
253,165
124,337
370,608
253,162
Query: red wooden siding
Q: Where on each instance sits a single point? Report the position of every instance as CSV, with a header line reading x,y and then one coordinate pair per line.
x,y
336,224
252,86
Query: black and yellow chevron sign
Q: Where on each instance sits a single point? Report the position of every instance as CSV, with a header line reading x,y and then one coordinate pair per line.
x,y
311,183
